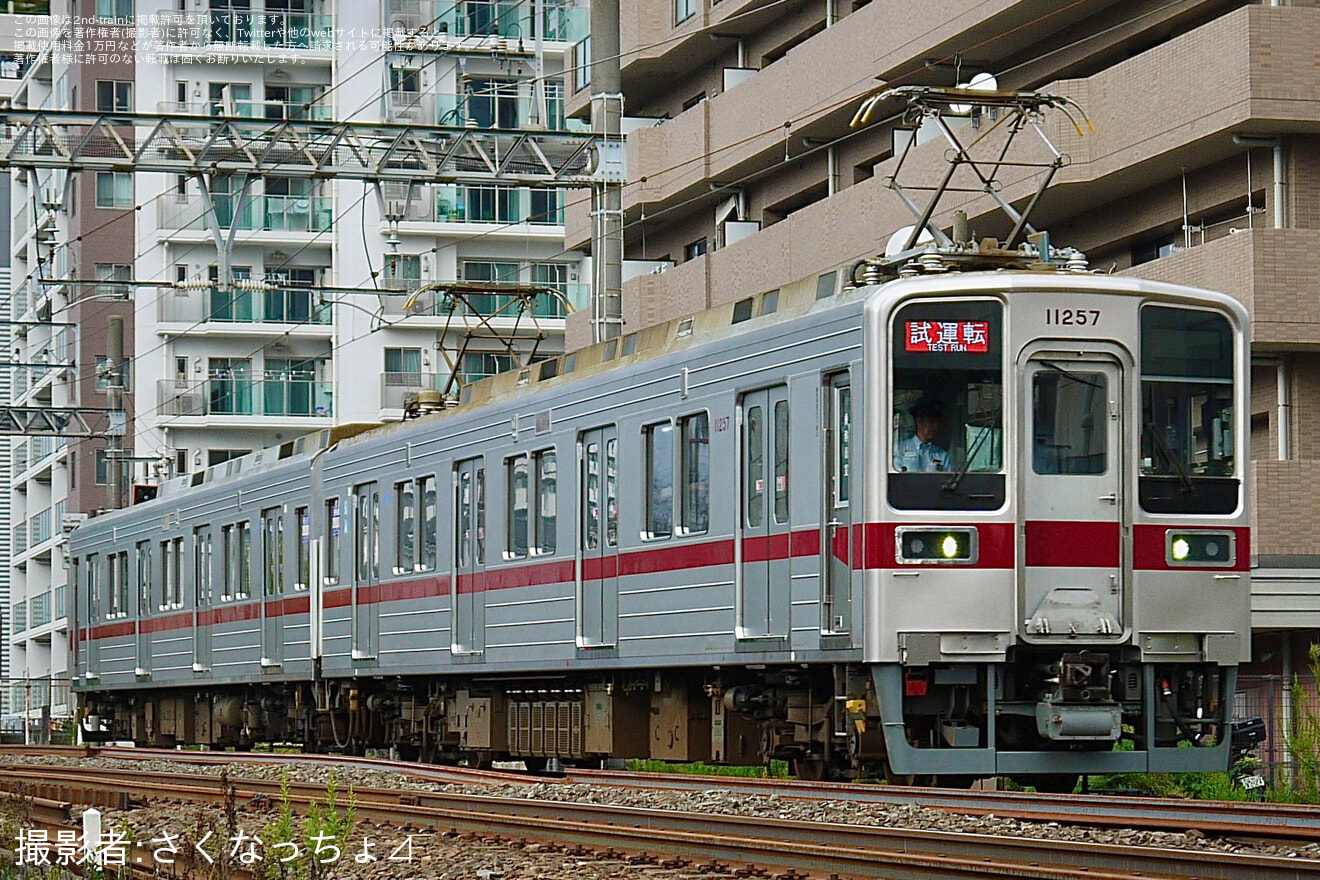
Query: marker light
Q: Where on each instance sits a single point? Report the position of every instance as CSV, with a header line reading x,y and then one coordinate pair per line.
x,y
1200,547
947,545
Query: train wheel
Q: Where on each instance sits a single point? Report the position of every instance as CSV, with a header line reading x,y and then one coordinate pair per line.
x,y
810,769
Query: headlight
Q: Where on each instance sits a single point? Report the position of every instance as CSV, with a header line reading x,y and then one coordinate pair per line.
x,y
953,545
1200,547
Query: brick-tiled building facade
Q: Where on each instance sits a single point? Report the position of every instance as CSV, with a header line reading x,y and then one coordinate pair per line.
x,y
1204,169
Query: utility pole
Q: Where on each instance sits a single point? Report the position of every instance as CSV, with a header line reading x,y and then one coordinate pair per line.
x,y
114,443
607,190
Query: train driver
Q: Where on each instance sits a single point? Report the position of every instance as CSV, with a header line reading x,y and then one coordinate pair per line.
x,y
919,452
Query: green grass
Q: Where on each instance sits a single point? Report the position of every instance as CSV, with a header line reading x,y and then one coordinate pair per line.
x,y
776,770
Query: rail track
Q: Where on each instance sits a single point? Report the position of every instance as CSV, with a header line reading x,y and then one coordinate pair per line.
x,y
1216,818
716,842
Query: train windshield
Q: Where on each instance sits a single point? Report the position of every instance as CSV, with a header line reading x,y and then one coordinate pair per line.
x,y
946,433
1187,412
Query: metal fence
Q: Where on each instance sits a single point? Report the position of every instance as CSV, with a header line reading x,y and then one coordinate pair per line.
x,y
39,710
1264,695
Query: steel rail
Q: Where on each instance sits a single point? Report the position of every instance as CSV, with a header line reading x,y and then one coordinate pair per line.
x,y
851,850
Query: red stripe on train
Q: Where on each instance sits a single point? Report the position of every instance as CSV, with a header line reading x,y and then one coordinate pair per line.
x,y
1066,544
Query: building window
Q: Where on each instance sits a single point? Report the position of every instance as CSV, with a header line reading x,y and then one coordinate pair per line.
x,y
582,64
694,250
659,513
114,189
114,96
478,365
683,10
403,271
220,456
492,103
694,464
403,367
103,467
114,272
118,10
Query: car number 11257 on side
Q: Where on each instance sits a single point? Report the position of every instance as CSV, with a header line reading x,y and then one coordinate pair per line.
x,y
1072,317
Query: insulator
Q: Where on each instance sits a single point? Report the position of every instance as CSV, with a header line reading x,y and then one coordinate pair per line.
x,y
873,273
1077,262
910,269
933,263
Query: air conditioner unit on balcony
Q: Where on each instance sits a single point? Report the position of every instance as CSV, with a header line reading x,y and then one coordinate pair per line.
x,y
188,404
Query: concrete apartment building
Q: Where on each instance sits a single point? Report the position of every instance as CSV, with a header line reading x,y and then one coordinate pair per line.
x,y
1204,169
312,330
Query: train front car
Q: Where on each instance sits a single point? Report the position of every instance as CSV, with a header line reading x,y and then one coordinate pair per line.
x,y
1061,553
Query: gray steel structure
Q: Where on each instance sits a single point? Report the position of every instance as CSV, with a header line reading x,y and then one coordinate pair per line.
x,y
699,541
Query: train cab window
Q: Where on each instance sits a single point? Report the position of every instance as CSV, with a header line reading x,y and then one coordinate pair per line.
x,y
694,451
334,530
659,447
303,549
429,524
1188,420
946,429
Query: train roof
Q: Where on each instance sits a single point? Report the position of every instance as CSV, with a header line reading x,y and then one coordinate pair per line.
x,y
815,293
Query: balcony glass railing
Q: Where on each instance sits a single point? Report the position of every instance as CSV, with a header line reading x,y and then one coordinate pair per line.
x,y
20,531
433,303
244,306
262,30
39,609
562,21
316,111
59,609
39,527
275,213
243,396
19,616
478,110
481,204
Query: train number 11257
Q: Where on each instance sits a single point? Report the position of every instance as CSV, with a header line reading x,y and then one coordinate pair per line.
x,y
1072,317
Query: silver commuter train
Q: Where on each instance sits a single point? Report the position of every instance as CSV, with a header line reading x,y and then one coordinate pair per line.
x,y
716,539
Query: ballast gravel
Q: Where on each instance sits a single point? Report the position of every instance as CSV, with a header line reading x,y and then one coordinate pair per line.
x,y
534,861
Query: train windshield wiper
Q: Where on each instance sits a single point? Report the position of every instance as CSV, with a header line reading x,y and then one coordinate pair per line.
x,y
952,484
1162,446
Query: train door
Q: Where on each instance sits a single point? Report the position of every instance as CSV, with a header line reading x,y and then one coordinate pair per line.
x,y
763,527
1072,495
467,596
272,558
203,596
836,523
366,571
598,541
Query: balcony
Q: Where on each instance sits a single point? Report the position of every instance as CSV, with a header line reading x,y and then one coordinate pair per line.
x,y
396,388
268,213
477,110
499,205
246,397
562,22
279,30
315,111
242,307
436,303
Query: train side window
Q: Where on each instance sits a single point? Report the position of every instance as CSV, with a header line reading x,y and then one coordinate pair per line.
x,y
366,532
480,499
516,504
202,567
171,565
592,500
117,606
142,555
694,465
612,492
93,588
659,514
244,561
463,520
429,523
405,523
272,550
333,533
303,549
546,474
